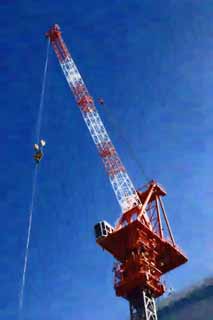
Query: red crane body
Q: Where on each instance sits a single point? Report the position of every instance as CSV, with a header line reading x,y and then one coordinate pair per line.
x,y
142,240
144,255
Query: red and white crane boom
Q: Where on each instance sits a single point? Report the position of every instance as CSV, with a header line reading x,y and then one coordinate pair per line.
x,y
121,183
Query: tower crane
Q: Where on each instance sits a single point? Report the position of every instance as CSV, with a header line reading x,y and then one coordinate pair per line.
x,y
141,241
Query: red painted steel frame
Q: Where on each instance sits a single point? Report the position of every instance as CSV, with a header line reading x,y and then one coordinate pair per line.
x,y
143,253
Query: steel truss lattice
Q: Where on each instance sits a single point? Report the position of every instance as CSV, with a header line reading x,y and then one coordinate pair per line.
x,y
142,307
121,183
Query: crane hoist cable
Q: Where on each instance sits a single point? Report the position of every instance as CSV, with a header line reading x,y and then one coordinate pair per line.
x,y
37,156
123,136
120,132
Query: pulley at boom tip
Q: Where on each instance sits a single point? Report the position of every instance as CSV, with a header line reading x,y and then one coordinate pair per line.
x,y
53,33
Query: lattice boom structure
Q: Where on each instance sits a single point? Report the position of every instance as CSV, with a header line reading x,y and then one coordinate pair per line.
x,y
121,183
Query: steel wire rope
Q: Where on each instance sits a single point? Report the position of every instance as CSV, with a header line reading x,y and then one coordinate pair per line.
x,y
122,135
34,182
128,145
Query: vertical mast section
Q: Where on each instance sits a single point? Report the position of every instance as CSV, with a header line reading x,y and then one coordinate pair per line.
x,y
120,181
142,306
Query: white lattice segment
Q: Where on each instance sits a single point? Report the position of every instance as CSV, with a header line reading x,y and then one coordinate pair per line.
x,y
121,183
150,307
124,190
142,307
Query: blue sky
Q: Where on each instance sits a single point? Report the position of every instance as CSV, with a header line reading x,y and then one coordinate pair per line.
x,y
152,62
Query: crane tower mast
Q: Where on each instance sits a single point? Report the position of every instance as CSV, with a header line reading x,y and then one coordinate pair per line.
x,y
141,241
